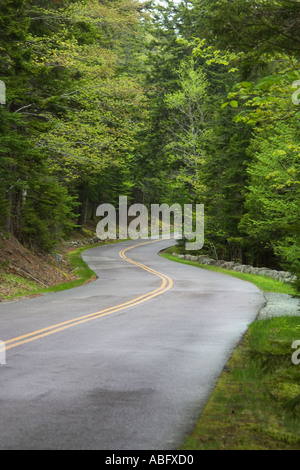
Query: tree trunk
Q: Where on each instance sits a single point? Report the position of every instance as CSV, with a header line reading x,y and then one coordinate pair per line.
x,y
84,206
8,218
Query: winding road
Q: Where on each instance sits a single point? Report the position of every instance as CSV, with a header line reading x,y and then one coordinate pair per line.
x,y
125,362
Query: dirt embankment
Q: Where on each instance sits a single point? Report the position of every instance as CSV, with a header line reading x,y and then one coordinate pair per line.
x,y
20,262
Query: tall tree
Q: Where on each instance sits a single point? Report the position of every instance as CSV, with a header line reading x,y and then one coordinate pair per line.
x,y
73,113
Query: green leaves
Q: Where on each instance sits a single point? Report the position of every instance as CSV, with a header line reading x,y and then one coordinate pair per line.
x,y
185,142
272,200
234,103
74,108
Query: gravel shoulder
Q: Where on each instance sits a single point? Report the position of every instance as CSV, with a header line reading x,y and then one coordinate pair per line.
x,y
278,305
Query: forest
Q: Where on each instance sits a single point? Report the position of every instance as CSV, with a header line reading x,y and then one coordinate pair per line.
x,y
162,102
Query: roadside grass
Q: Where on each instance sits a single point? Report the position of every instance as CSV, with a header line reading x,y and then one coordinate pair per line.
x,y
79,267
266,284
256,402
20,287
17,286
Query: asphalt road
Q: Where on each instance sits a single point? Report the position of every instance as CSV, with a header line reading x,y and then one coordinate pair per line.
x,y
123,363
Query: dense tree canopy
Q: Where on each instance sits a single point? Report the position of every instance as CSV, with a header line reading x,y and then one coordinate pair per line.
x,y
169,102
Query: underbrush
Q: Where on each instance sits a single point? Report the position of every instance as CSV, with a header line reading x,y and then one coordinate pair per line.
x,y
15,287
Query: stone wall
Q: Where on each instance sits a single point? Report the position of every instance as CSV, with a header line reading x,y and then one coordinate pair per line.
x,y
82,242
284,276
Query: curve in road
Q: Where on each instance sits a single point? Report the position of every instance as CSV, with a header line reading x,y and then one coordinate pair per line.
x,y
166,284
139,374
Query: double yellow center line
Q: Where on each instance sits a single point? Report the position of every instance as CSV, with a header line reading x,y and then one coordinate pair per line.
x,y
165,285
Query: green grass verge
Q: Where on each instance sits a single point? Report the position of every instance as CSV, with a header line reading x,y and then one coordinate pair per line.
x,y
79,267
24,287
83,272
18,286
266,284
256,402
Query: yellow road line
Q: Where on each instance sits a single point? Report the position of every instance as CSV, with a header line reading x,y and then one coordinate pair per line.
x,y
166,284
